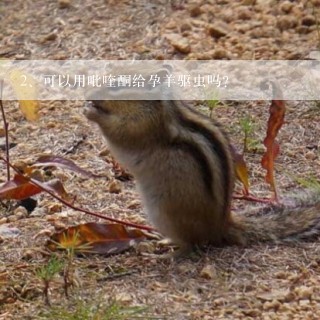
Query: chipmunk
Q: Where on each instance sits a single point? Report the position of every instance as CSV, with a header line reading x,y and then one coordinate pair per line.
x,y
183,165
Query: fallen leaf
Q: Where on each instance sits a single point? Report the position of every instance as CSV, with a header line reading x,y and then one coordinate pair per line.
x,y
276,119
20,188
25,89
98,238
57,161
241,169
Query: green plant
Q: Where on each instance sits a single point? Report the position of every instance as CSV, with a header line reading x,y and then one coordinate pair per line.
x,y
309,183
212,100
70,245
47,272
247,126
212,104
97,311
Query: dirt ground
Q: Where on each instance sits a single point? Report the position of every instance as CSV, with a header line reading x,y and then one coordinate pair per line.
x,y
265,281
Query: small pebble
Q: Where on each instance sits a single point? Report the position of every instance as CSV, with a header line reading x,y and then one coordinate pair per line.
x,y
180,43
114,186
208,272
63,4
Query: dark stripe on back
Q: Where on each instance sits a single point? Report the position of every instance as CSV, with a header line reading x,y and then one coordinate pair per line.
x,y
307,234
217,147
200,158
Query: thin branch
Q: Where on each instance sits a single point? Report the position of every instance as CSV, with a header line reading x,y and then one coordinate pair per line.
x,y
252,198
68,204
6,130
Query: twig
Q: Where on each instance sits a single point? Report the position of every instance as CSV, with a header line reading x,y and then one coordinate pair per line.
x,y
68,204
252,198
6,130
116,276
46,292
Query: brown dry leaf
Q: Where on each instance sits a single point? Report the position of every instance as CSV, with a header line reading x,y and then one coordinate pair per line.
x,y
56,186
25,89
98,238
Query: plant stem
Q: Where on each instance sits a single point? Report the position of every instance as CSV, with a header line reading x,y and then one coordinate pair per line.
x,y
6,130
68,204
46,292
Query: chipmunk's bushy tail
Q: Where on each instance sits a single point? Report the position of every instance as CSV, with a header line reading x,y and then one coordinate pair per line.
x,y
296,222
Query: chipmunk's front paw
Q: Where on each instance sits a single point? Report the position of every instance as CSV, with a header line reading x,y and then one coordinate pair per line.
x,y
183,252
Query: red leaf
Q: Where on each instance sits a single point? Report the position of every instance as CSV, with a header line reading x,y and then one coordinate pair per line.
x,y
56,161
18,189
275,122
21,188
100,238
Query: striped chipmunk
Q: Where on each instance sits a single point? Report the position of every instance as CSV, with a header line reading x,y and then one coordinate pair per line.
x,y
185,174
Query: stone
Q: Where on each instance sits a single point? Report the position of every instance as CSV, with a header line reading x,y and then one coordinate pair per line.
x,y
195,11
287,22
304,292
63,4
220,53
218,30
208,272
9,232
244,13
114,187
286,6
179,43
308,21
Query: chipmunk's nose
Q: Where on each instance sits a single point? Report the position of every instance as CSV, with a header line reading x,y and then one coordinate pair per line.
x,y
88,104
94,110
93,104
97,94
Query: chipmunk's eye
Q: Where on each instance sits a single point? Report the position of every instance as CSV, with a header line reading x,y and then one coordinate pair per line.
x,y
97,96
116,86
101,105
96,104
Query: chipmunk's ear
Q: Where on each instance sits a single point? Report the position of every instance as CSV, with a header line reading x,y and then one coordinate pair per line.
x,y
163,89
157,84
165,72
168,67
